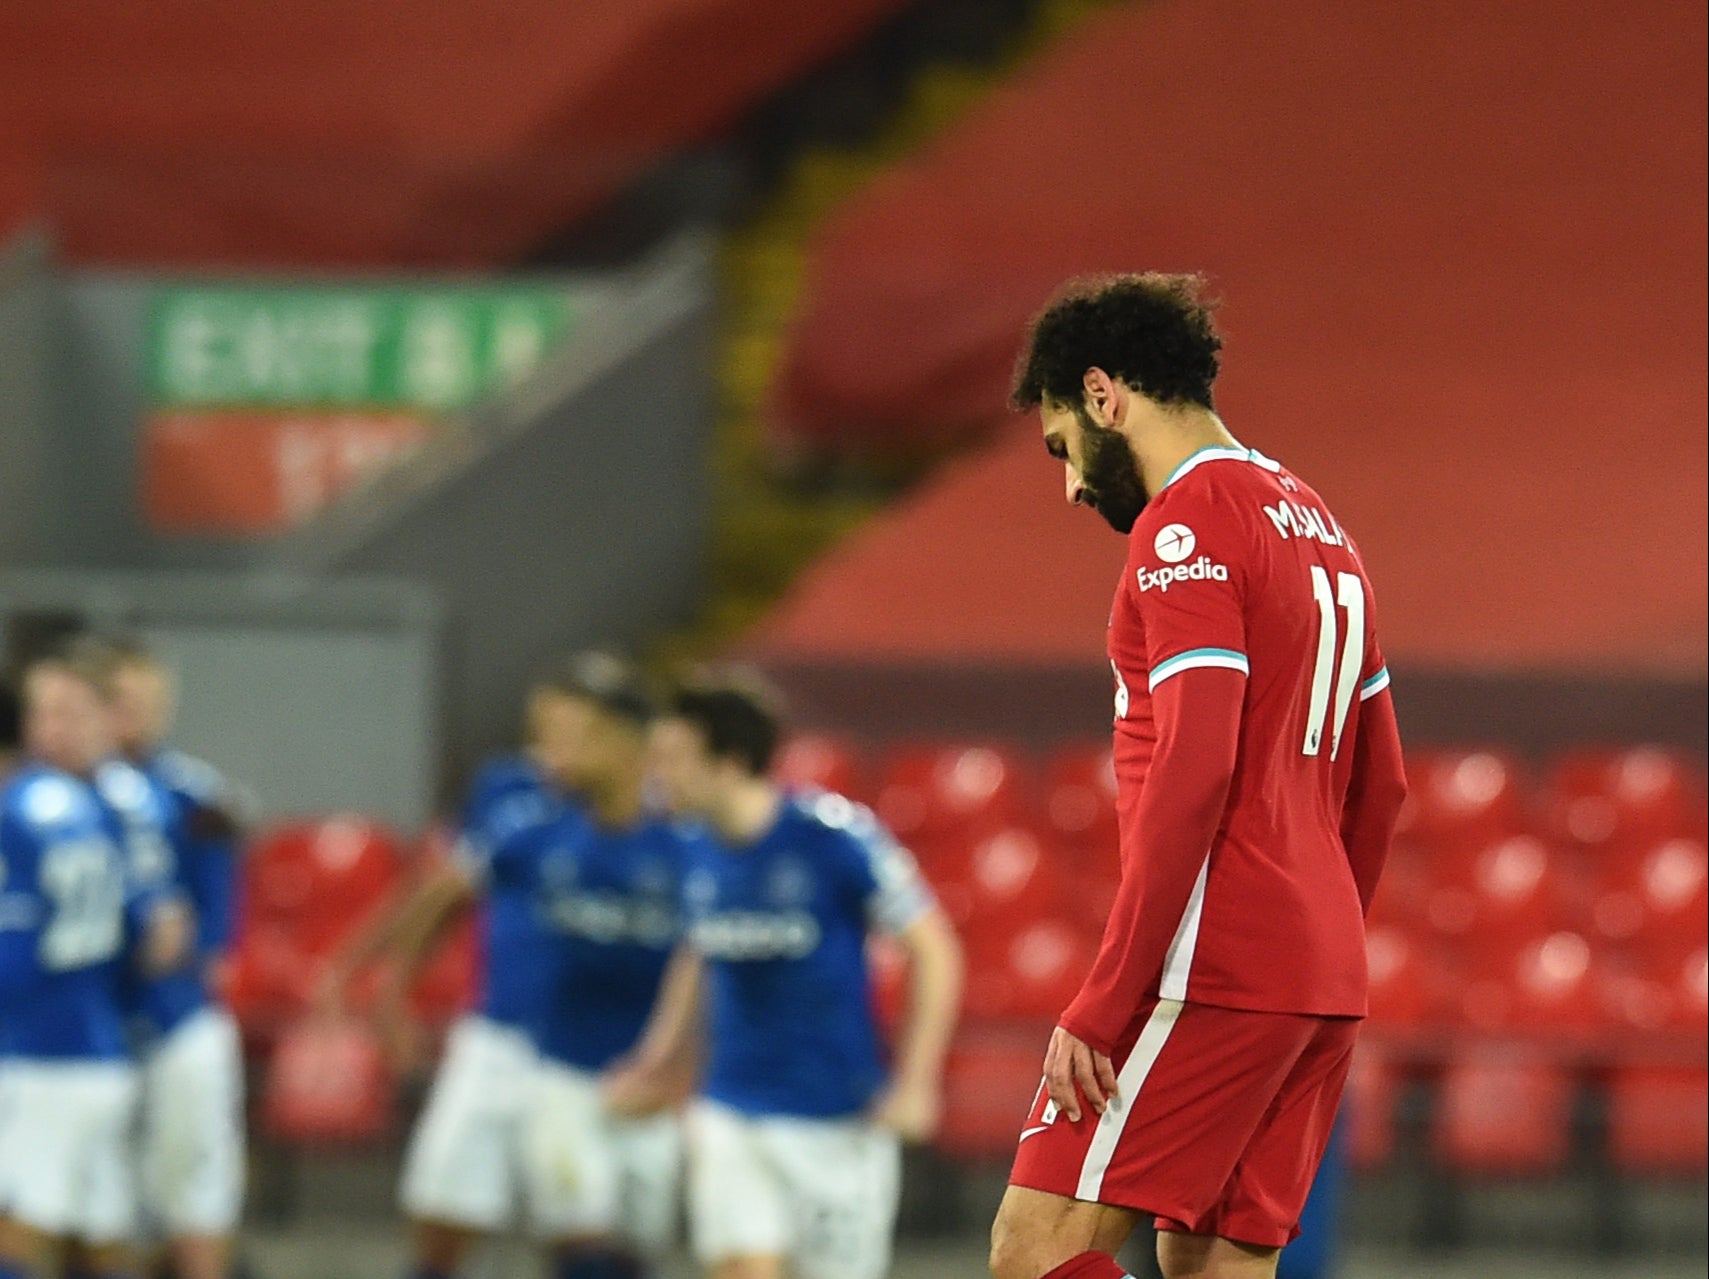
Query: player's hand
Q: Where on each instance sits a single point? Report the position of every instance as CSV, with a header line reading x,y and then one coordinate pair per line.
x,y
169,940
911,1110
1071,1068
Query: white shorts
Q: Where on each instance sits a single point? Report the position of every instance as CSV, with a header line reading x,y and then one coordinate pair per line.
x,y
192,1127
465,1163
65,1148
595,1174
821,1194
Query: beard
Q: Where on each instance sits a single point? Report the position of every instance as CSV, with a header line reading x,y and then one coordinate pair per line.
x,y
1110,481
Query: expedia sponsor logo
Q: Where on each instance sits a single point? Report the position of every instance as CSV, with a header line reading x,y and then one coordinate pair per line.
x,y
1200,570
754,935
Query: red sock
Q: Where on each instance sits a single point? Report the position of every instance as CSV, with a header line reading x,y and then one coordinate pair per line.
x,y
1089,1265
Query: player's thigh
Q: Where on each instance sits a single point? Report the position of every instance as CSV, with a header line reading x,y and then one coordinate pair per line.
x,y
67,1149
1036,1231
107,1217
568,1157
738,1205
192,1132
649,1158
844,1180
1264,1198
460,1168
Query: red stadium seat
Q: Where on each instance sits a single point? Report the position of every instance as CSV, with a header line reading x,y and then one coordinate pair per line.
x,y
1080,797
1501,1114
1402,980
1462,798
1622,798
268,981
1658,1120
887,980
1655,901
990,1080
1031,973
319,878
1373,1090
1490,901
1689,1005
1552,985
1013,879
328,1084
304,887
822,761
928,794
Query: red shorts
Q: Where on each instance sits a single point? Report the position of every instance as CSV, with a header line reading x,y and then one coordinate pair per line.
x,y
1223,1119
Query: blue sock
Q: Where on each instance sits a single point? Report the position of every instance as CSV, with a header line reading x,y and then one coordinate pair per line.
x,y
11,1270
584,1264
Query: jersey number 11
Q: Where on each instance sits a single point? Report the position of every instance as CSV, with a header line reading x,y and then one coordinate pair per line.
x,y
1349,592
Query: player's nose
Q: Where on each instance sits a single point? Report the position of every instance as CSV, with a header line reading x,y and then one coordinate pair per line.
x,y
1074,487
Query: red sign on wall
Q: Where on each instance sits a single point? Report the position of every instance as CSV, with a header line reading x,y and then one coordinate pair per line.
x,y
262,471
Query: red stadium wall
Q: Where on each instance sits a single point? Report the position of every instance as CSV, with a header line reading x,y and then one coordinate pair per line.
x,y
1463,255
379,132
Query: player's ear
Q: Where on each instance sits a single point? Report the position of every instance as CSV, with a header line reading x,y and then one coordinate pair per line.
x,y
1100,395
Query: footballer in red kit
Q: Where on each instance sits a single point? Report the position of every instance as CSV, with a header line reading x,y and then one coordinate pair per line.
x,y
1196,1075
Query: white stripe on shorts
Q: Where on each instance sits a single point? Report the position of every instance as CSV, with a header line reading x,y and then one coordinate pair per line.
x,y
1108,1134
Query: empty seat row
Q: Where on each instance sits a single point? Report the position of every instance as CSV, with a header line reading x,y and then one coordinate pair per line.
x,y
1613,798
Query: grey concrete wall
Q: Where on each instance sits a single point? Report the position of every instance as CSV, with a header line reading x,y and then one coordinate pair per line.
x,y
34,524
573,514
571,510
319,698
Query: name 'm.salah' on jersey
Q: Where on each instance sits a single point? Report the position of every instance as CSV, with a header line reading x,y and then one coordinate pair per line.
x,y
1257,763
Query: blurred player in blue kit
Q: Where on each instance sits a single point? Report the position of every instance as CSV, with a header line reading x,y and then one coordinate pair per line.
x,y
577,889
794,1138
85,901
191,1158
611,879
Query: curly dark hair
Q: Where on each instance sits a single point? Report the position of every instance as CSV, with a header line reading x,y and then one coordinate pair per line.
x,y
1152,331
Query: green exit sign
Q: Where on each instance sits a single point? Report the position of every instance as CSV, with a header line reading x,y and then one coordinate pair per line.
x,y
312,345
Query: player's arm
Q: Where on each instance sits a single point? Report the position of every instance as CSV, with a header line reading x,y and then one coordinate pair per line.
x,y
21,913
1198,716
913,1103
1376,789
404,930
161,926
661,1067
1196,645
160,920
422,920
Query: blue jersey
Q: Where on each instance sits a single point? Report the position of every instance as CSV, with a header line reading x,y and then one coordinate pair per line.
x,y
508,820
782,925
612,898
77,885
201,833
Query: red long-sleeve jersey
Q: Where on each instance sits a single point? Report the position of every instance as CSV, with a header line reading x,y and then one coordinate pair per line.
x,y
1258,764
